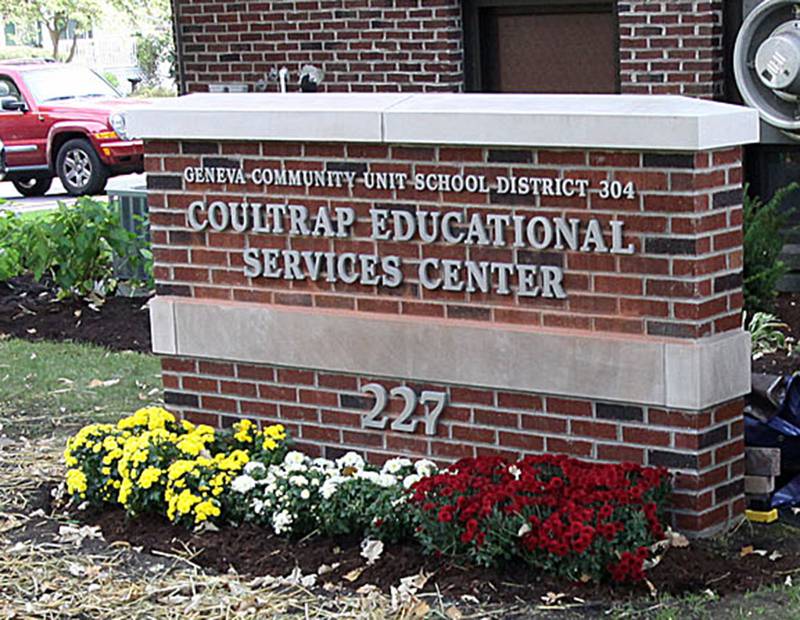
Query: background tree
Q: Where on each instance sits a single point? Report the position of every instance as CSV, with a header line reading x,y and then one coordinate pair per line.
x,y
56,16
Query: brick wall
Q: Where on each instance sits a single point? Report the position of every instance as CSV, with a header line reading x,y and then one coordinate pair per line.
x,y
323,412
684,279
666,47
362,45
671,47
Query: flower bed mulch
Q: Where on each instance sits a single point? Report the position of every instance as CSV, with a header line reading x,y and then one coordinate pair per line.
x,y
722,568
31,311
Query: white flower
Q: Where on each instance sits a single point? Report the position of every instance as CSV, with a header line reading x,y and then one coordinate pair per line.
x,y
254,467
351,459
369,476
282,521
424,467
330,486
392,466
411,480
321,463
295,461
294,458
515,472
305,494
243,484
258,506
298,481
386,480
524,529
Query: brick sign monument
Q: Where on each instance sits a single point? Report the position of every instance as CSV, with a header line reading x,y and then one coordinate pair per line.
x,y
459,275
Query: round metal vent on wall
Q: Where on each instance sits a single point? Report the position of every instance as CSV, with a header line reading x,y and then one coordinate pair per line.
x,y
766,63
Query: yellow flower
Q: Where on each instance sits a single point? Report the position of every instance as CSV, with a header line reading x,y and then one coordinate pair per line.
x,y
185,501
124,491
149,477
276,431
76,481
243,429
180,468
232,462
204,510
70,460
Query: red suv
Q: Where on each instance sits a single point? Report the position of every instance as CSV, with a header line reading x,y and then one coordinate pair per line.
x,y
62,120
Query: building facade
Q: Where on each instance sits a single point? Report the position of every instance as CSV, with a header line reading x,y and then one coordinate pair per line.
x,y
632,46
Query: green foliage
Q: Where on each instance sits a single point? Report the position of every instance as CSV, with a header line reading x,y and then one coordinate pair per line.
x,y
155,92
23,51
765,333
72,246
153,50
763,242
111,79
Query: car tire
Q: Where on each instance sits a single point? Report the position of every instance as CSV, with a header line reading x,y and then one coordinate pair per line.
x,y
80,169
34,186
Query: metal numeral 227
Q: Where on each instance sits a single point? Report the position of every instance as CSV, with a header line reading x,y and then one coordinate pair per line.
x,y
376,419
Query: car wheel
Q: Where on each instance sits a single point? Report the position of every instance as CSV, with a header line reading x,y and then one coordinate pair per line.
x,y
80,169
35,186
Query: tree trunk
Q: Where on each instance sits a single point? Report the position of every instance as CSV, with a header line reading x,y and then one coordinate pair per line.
x,y
73,48
55,39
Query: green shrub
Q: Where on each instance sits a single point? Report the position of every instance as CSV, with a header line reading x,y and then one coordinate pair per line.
x,y
763,242
23,51
112,79
72,246
766,334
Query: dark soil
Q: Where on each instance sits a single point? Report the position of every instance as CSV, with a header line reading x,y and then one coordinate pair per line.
x,y
31,311
719,566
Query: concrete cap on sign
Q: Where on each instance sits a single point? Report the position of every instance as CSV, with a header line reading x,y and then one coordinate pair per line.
x,y
641,122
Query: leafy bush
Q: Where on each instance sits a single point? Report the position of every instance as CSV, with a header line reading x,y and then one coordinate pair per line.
x,y
152,51
155,92
557,514
763,242
765,334
72,246
23,51
345,496
150,462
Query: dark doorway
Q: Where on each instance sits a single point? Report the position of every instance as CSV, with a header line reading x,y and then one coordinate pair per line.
x,y
545,46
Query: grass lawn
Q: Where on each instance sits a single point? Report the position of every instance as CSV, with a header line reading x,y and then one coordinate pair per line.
x,y
48,385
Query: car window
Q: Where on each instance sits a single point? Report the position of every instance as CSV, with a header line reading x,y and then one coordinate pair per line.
x,y
62,83
8,88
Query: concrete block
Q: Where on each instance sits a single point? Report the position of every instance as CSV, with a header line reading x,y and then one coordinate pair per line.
x,y
762,461
558,362
162,326
759,485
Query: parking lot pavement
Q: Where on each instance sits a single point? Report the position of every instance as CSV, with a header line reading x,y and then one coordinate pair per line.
x,y
15,202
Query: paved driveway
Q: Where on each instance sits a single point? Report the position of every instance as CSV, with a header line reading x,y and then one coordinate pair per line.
x,y
15,202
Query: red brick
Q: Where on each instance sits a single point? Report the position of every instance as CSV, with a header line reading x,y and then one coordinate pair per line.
x,y
632,434
516,400
568,406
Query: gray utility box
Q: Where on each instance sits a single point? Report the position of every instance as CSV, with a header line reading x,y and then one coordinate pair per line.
x,y
135,218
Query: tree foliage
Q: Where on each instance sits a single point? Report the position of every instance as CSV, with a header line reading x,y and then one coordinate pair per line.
x,y
58,15
764,224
